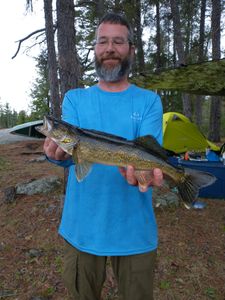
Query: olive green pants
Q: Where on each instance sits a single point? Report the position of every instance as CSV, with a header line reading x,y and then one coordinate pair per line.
x,y
84,274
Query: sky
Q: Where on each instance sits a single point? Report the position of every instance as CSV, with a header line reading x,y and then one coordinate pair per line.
x,y
17,75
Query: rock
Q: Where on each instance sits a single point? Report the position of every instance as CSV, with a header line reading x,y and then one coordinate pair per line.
x,y
34,253
39,186
51,209
165,197
2,246
9,194
39,159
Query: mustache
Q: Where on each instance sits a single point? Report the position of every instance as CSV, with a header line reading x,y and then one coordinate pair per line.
x,y
110,57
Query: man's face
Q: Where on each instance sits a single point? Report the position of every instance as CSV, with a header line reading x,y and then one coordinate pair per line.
x,y
113,53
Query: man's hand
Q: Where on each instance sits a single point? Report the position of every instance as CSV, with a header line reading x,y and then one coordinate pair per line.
x,y
143,179
53,151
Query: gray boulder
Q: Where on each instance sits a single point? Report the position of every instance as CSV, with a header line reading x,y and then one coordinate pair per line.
x,y
40,186
165,197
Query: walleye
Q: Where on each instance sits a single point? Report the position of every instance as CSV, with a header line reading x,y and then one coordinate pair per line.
x,y
144,153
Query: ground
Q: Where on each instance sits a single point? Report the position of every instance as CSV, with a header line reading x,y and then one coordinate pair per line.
x,y
190,263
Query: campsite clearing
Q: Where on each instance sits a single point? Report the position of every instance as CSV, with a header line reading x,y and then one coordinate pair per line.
x,y
190,262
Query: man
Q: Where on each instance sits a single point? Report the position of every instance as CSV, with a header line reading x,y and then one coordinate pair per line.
x,y
110,213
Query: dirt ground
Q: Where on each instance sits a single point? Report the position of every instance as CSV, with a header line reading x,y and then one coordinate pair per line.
x,y
191,254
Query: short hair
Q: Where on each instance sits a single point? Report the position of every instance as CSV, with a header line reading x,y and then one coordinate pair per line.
x,y
114,18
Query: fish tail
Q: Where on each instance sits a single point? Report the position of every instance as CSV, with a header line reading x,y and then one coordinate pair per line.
x,y
191,182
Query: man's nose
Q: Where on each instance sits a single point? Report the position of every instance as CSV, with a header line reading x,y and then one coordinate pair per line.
x,y
110,47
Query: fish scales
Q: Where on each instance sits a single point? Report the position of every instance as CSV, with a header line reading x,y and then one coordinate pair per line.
x,y
98,151
144,153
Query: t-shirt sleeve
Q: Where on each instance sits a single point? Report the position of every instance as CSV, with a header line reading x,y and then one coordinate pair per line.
x,y
152,119
69,110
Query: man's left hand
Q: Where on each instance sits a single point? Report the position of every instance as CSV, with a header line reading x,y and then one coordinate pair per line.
x,y
144,179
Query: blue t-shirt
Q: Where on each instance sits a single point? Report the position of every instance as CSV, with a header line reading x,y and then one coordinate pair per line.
x,y
103,214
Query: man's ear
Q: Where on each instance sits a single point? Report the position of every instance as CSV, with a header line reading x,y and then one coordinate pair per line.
x,y
132,50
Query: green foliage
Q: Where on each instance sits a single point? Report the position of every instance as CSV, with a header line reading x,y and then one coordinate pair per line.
x,y
211,293
48,292
9,117
40,99
40,90
59,264
207,78
165,285
22,117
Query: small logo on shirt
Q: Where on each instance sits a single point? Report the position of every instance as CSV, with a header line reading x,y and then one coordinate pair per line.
x,y
136,116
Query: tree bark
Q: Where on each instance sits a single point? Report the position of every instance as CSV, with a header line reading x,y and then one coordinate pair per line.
x,y
139,46
132,10
158,38
69,69
180,52
215,112
177,32
199,99
52,62
202,32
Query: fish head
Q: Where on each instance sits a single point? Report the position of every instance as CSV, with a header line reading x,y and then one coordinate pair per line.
x,y
60,132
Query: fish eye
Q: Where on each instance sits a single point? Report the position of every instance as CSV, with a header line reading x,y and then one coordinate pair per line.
x,y
66,140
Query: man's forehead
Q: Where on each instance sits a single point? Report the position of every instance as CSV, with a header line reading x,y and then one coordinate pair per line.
x,y
112,29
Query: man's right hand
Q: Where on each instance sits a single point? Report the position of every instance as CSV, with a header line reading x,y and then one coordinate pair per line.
x,y
53,151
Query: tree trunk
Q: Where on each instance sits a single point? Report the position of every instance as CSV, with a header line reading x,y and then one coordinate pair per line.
x,y
140,62
180,52
69,70
199,99
52,62
177,32
202,32
100,9
158,38
132,9
215,112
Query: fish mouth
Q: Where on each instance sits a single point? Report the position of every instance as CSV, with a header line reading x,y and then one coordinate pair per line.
x,y
48,123
46,127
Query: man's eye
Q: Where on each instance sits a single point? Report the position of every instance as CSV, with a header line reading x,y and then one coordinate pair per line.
x,y
102,42
118,42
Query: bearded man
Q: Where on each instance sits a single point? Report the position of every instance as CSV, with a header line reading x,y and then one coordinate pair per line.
x,y
110,213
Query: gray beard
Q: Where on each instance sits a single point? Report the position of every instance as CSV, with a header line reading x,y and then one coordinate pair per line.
x,y
113,74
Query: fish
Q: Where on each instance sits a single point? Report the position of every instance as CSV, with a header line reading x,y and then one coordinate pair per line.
x,y
88,146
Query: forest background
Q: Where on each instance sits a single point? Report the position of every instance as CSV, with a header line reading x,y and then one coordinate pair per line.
x,y
168,34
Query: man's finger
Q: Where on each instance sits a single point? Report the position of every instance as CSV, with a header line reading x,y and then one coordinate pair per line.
x,y
157,177
131,179
123,172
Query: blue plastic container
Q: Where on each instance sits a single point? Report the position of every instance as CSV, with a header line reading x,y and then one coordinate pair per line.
x,y
217,189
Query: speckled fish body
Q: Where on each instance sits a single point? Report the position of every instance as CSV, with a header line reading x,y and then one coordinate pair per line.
x,y
144,153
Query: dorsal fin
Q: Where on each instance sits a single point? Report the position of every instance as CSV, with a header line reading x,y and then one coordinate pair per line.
x,y
91,132
150,144
100,134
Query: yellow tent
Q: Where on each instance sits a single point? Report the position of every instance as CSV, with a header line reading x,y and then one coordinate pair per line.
x,y
181,135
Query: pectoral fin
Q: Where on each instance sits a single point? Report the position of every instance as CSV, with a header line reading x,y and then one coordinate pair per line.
x,y
82,170
82,167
